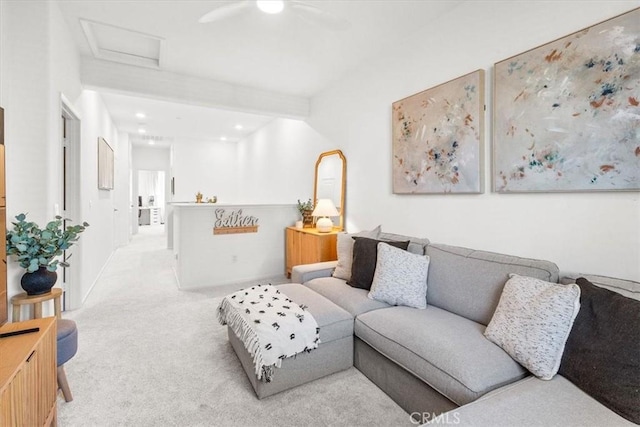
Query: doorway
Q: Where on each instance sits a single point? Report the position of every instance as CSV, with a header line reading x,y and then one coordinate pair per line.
x,y
69,206
151,197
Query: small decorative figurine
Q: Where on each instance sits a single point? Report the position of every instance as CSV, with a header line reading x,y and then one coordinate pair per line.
x,y
198,197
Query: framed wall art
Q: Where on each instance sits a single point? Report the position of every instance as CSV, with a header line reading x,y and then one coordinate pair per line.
x,y
105,165
438,138
567,114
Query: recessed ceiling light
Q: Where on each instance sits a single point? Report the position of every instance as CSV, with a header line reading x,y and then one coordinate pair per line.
x,y
223,138
270,6
239,127
141,115
142,130
152,142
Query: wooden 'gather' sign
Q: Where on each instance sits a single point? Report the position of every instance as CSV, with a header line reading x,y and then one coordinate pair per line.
x,y
234,222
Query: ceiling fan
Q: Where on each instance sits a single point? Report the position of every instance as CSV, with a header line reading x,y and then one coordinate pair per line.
x,y
304,10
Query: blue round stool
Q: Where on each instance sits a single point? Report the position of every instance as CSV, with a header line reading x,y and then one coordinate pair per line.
x,y
67,339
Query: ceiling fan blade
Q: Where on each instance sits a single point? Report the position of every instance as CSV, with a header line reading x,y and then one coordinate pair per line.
x,y
319,17
225,11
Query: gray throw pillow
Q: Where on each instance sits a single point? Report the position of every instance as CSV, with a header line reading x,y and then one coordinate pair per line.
x,y
345,251
532,322
365,256
400,277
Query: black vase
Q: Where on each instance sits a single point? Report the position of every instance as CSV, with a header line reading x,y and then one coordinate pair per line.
x,y
39,282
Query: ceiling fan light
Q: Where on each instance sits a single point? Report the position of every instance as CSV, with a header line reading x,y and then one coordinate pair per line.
x,y
270,6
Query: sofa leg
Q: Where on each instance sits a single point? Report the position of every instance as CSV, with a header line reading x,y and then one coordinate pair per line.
x,y
64,385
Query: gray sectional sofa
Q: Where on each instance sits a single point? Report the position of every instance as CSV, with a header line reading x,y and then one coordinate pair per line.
x,y
437,361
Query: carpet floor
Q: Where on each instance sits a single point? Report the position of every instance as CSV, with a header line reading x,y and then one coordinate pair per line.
x,y
150,354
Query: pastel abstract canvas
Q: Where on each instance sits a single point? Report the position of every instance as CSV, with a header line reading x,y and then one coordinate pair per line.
x,y
567,114
437,138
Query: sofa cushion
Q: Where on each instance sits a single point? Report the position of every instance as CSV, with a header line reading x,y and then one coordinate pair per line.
x,y
344,248
417,245
602,355
400,277
334,322
365,255
533,401
533,321
447,351
469,282
628,288
353,300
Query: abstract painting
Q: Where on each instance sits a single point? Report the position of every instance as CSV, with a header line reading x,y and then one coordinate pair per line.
x,y
438,138
567,114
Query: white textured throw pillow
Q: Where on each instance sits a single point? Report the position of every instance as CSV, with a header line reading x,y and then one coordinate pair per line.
x,y
532,322
345,251
400,277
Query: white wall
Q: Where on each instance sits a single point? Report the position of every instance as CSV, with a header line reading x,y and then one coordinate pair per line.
x,y
276,164
25,90
39,64
208,167
273,165
97,206
122,191
582,232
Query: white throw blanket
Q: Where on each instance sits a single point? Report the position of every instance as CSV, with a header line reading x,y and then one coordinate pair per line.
x,y
271,326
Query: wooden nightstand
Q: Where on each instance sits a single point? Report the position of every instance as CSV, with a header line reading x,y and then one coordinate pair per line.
x,y
308,245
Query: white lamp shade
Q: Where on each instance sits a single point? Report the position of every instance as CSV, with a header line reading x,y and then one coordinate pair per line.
x,y
325,208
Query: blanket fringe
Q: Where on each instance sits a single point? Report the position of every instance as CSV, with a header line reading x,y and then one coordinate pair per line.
x,y
229,316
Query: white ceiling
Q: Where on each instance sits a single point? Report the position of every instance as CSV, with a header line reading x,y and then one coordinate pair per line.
x,y
169,122
282,53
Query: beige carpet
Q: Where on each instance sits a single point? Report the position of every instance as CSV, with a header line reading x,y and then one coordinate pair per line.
x,y
152,355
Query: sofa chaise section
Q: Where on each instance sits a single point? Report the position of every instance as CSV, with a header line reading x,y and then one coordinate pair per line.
x,y
440,351
433,344
533,401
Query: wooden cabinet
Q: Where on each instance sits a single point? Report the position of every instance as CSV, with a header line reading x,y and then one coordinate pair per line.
x,y
3,227
308,245
28,383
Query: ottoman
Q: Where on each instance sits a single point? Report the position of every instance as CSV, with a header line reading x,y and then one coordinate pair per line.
x,y
334,354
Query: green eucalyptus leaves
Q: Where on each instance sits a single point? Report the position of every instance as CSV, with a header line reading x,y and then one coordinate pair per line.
x,y
34,247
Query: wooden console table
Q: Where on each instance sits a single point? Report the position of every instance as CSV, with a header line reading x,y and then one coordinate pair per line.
x,y
28,383
23,299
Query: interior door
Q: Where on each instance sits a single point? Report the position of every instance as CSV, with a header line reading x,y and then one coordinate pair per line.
x,y
69,200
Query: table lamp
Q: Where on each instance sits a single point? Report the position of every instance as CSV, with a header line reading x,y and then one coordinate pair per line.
x,y
324,209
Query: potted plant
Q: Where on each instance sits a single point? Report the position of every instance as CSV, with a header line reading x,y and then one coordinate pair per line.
x,y
305,209
37,250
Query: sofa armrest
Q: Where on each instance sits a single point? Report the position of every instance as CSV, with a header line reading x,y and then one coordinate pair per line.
x,y
305,272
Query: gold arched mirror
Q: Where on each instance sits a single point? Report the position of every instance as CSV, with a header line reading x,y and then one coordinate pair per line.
x,y
331,182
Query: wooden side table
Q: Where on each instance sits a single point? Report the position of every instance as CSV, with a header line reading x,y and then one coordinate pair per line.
x,y
17,301
307,246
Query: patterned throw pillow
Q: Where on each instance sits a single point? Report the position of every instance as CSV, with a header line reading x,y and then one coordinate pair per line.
x,y
345,251
400,277
532,322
